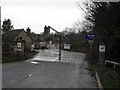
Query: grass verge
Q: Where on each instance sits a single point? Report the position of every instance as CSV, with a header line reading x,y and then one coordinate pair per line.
x,y
30,54
16,57
110,78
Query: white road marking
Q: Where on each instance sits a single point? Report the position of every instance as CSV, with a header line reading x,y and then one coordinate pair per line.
x,y
34,62
30,75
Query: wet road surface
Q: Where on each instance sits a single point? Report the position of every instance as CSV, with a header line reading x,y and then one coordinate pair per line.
x,y
45,71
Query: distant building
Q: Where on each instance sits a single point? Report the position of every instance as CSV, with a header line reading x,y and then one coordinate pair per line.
x,y
39,39
36,38
10,39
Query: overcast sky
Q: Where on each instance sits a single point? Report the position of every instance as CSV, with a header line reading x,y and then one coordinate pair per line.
x,y
38,13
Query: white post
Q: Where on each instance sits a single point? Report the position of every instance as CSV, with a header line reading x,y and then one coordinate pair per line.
x,y
101,54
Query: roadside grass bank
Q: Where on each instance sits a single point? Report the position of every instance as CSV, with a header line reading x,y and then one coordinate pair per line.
x,y
16,57
110,78
30,54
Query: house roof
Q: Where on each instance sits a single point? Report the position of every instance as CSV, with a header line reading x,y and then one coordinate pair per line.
x,y
9,36
35,37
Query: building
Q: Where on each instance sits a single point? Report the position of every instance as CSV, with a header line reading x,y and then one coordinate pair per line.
x,y
36,38
10,39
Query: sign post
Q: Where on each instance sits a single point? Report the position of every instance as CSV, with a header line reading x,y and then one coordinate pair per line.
x,y
19,45
90,42
21,48
101,54
60,48
89,37
67,46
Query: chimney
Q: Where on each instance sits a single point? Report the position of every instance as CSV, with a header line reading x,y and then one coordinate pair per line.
x,y
28,30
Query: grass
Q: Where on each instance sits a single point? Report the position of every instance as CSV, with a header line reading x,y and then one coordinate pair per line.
x,y
110,78
30,54
17,57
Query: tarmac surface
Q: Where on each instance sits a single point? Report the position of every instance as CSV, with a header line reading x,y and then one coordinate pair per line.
x,y
45,70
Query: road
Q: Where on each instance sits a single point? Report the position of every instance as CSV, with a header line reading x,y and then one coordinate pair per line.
x,y
45,70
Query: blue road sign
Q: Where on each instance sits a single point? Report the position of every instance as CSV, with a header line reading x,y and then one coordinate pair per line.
x,y
89,36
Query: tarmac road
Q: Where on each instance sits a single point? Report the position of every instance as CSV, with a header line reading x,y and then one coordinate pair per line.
x,y
45,71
